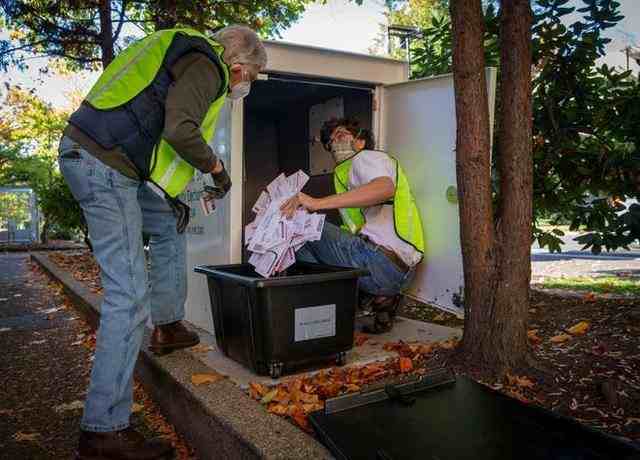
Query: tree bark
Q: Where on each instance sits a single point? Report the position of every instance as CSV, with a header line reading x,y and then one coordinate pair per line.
x,y
473,171
515,167
167,14
496,257
106,33
44,233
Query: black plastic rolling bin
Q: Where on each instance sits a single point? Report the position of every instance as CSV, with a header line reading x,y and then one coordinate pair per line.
x,y
271,324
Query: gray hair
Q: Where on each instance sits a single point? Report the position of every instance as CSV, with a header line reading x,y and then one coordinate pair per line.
x,y
242,46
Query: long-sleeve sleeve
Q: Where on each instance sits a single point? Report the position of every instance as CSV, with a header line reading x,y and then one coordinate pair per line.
x,y
197,83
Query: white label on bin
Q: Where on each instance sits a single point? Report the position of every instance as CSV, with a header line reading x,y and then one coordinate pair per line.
x,y
315,322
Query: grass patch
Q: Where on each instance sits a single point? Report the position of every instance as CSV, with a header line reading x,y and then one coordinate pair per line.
x,y
601,285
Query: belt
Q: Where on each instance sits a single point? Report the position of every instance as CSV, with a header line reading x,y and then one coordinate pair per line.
x,y
392,256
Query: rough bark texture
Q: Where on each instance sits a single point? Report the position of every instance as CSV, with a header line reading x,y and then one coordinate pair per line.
x,y
473,170
167,14
106,32
496,259
515,165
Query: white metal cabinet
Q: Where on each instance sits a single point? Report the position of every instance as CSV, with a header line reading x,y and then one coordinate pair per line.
x,y
418,127
208,237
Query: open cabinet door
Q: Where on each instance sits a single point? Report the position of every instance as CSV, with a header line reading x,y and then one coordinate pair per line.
x,y
418,127
209,236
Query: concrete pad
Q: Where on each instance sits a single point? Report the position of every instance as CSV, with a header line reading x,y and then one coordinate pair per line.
x,y
405,329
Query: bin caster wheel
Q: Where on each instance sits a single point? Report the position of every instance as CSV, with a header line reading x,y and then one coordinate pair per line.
x,y
275,370
341,358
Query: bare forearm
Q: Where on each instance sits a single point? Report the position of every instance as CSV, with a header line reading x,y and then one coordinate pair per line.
x,y
375,192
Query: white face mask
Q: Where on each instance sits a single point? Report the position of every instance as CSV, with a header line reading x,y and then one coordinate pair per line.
x,y
342,151
240,90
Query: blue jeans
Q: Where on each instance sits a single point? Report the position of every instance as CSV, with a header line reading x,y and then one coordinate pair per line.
x,y
117,210
337,247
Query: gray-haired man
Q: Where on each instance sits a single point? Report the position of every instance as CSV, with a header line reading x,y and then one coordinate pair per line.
x,y
148,119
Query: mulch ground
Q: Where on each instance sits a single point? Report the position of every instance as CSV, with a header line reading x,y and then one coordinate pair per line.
x,y
47,353
587,353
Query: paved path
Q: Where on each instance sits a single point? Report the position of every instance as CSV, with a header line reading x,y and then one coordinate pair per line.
x,y
42,365
574,262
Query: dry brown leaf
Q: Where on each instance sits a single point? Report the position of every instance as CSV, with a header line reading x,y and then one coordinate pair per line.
x,y
278,409
301,420
517,380
201,379
533,336
590,297
449,344
312,407
136,407
257,391
307,398
25,437
579,329
201,348
406,365
560,338
266,399
75,405
360,339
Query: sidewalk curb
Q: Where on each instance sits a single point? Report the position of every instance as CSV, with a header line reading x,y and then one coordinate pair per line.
x,y
219,420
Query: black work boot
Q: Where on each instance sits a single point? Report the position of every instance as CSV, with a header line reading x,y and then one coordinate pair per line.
x,y
125,444
170,337
384,311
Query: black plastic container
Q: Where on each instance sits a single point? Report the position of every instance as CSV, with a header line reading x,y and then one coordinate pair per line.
x,y
271,324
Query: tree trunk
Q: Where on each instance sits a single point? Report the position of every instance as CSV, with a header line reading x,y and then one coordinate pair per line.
x,y
44,233
473,171
496,259
515,167
167,14
106,33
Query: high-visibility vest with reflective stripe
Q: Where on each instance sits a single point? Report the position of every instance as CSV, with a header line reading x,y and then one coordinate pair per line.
x,y
407,221
131,73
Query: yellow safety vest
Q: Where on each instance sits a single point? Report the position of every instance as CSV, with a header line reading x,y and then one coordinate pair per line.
x,y
407,221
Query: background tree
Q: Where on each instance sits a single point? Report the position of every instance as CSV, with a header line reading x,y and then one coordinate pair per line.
x,y
495,245
30,130
585,119
88,33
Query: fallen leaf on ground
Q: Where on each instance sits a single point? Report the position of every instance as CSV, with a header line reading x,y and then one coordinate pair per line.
x,y
266,399
201,348
278,409
301,420
579,329
257,391
533,336
590,297
28,437
360,339
136,407
450,344
560,338
201,379
406,365
523,381
75,405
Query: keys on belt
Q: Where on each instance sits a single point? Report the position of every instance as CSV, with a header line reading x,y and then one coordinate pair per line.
x,y
392,256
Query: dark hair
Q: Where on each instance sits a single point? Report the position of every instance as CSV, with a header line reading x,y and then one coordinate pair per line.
x,y
351,125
